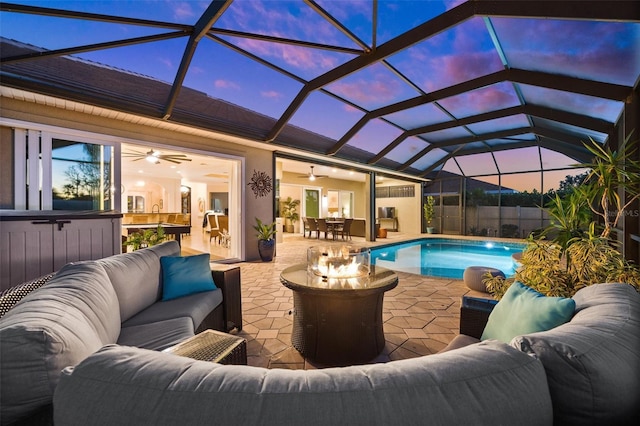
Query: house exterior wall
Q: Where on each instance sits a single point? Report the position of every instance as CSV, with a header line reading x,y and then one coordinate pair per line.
x,y
84,121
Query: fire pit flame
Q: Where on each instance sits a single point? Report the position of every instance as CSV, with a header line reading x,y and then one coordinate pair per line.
x,y
338,262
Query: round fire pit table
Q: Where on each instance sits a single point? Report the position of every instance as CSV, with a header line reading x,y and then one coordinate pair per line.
x,y
338,321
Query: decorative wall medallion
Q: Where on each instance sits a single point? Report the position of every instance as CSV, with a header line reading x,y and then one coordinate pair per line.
x,y
260,183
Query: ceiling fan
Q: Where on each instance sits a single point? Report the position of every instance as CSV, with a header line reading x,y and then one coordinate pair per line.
x,y
311,176
154,157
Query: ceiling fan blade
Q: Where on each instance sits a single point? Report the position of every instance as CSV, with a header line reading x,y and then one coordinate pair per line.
x,y
170,160
138,159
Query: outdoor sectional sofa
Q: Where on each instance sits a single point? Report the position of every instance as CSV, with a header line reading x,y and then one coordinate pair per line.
x,y
90,304
583,372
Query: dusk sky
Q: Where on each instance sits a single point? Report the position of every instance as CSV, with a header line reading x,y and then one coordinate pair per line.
x,y
601,51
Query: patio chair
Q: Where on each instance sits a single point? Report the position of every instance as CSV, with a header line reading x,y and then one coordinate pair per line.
x,y
345,231
313,226
322,227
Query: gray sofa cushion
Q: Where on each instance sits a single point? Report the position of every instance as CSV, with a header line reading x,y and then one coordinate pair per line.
x,y
55,326
487,383
196,306
593,362
460,341
136,276
158,335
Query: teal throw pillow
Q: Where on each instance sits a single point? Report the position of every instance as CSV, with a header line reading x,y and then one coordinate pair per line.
x,y
182,276
522,310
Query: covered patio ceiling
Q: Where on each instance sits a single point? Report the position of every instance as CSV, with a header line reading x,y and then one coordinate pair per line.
x,y
473,87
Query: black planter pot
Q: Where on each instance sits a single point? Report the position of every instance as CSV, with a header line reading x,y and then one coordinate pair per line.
x,y
266,248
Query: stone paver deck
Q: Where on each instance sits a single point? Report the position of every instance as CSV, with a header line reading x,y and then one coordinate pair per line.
x,y
421,315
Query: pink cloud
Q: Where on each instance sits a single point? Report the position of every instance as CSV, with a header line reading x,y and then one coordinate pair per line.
x,y
447,70
479,101
297,57
348,108
366,92
225,84
271,94
166,62
196,70
280,19
182,10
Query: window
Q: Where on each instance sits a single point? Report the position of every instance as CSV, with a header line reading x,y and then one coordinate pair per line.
x,y
81,175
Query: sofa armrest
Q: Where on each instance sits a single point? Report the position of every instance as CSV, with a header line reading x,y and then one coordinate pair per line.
x,y
474,314
227,278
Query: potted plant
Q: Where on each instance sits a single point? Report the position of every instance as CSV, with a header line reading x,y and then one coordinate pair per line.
x,y
578,254
290,213
428,213
146,238
266,240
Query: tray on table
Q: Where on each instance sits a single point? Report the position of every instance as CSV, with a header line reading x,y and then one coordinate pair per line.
x,y
213,346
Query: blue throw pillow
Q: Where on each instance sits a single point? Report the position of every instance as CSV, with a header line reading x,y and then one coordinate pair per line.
x,y
522,310
182,276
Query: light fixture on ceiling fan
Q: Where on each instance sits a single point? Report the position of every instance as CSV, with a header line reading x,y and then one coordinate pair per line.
x,y
311,176
154,157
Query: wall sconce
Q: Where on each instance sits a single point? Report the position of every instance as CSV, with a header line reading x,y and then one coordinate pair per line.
x,y
184,189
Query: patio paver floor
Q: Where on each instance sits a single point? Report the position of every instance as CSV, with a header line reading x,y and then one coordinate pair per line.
x,y
421,315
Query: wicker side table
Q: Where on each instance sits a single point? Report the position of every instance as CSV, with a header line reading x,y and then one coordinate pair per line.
x,y
474,314
213,346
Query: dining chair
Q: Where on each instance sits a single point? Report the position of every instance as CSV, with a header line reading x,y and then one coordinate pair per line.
x,y
313,226
322,227
345,231
214,227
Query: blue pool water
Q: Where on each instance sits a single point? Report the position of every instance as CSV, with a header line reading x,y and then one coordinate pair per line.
x,y
446,257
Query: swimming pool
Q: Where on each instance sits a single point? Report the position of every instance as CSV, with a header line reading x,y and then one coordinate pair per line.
x,y
446,257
